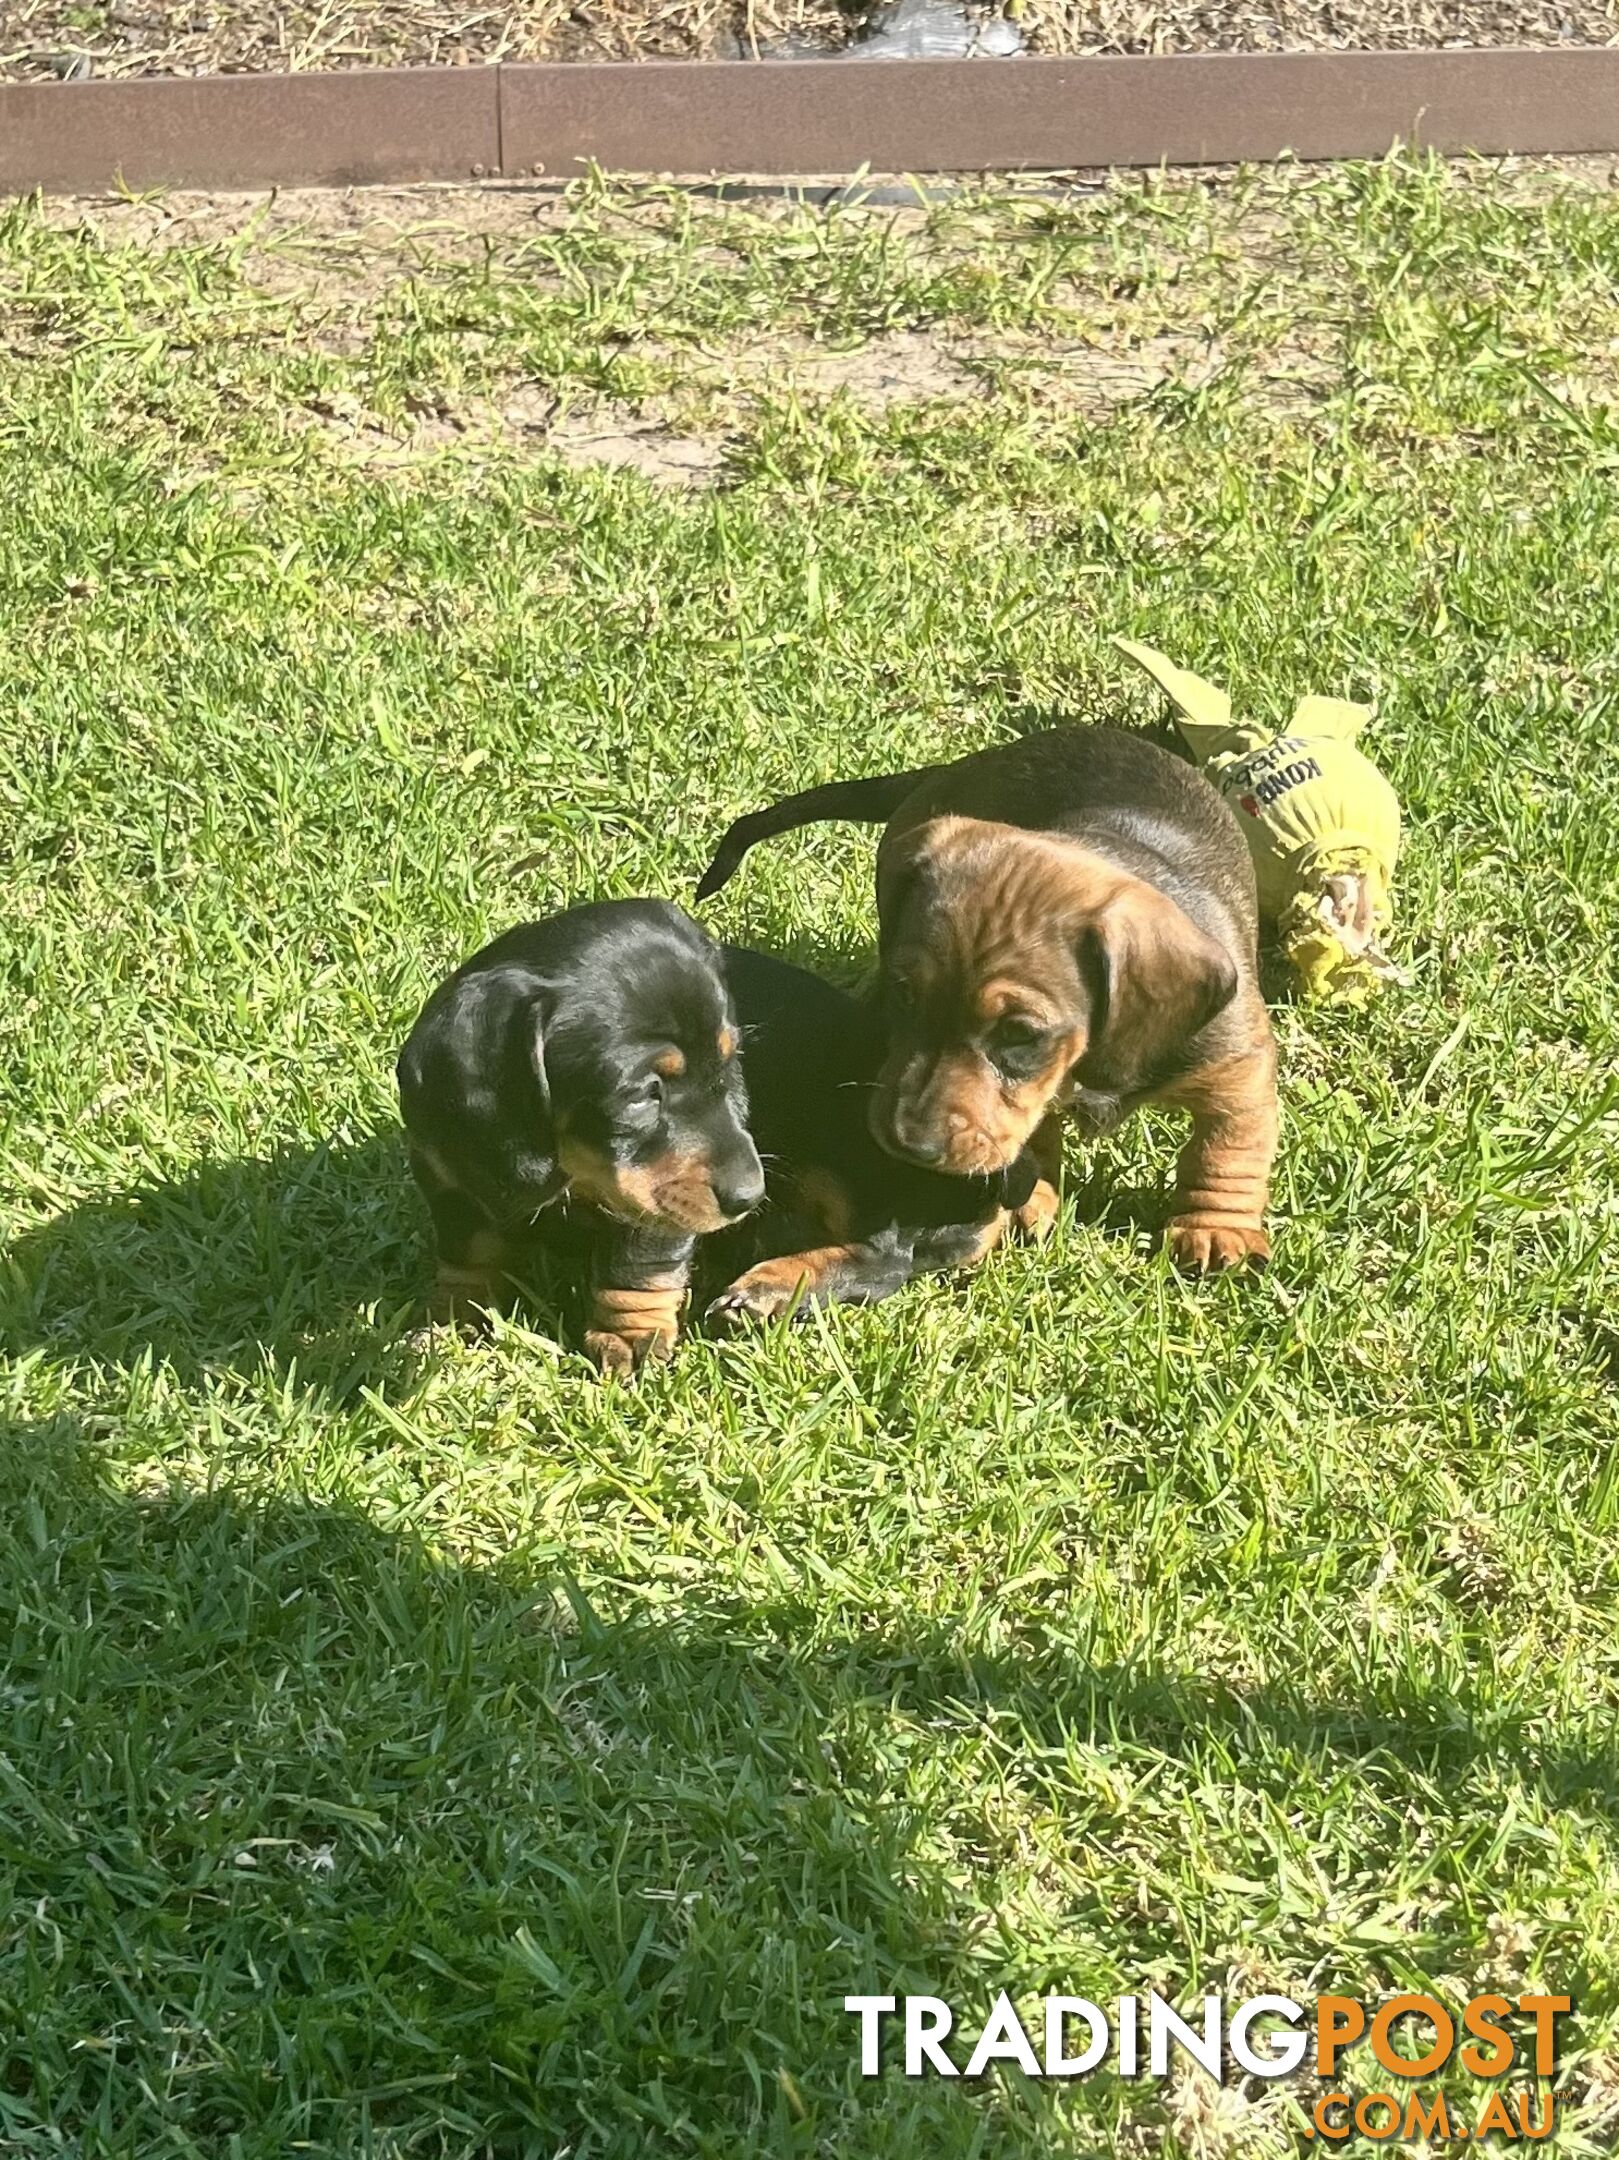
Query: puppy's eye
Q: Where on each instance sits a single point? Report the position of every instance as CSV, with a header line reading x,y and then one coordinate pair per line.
x,y
648,1093
1017,1045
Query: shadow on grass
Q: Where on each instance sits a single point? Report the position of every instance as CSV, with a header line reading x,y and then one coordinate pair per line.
x,y
323,1842
312,1260
313,1264
352,1847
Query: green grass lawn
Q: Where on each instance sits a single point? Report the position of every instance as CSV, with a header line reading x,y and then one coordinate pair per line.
x,y
418,1748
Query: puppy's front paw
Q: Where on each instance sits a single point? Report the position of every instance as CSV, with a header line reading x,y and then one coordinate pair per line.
x,y
622,1356
634,1326
1200,1247
764,1293
1037,1217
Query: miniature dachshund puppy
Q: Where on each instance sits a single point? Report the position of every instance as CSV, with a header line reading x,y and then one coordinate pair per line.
x,y
1067,924
844,1222
578,1084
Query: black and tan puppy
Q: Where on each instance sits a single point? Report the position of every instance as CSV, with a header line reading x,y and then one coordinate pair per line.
x,y
578,1082
845,1223
1067,923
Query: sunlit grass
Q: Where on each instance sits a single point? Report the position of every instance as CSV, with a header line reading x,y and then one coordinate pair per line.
x,y
419,1749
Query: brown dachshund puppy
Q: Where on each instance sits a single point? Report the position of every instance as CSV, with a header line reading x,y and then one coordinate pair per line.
x,y
1066,923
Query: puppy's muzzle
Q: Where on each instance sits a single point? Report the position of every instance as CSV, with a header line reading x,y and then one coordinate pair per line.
x,y
687,1192
725,1188
914,1143
949,1144
738,1191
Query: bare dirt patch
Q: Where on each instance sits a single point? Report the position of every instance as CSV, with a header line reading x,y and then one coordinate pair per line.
x,y
599,431
1305,368
901,367
366,233
1095,377
371,232
681,442
618,437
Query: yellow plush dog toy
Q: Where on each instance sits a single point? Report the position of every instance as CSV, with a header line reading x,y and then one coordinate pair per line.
x,y
1322,824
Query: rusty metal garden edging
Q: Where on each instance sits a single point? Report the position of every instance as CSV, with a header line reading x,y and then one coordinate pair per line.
x,y
834,116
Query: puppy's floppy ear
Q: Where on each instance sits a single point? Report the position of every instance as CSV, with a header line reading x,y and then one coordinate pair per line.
x,y
492,1041
503,1049
542,1143
537,1019
904,857
1155,978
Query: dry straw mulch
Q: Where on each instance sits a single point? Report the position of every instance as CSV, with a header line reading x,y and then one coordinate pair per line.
x,y
188,37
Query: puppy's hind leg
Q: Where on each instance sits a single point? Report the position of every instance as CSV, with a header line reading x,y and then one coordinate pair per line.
x,y
823,1275
857,1274
841,1269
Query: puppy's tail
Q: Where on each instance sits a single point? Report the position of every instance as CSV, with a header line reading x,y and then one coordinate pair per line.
x,y
866,802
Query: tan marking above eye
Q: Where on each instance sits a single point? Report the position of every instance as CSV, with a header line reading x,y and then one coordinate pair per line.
x,y
1003,1000
670,1063
726,1043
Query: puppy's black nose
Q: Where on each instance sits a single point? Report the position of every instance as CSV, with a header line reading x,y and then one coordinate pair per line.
x,y
741,1194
